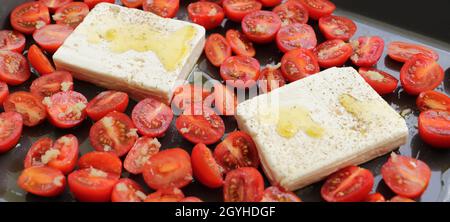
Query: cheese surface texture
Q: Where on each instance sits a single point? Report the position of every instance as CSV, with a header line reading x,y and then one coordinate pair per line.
x,y
131,50
312,127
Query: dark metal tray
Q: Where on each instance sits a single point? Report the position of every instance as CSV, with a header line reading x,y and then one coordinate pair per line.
x,y
11,163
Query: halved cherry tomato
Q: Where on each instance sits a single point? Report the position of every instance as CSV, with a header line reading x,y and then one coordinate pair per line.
x,y
236,150
296,36
240,44
42,181
225,100
113,133
291,12
217,49
103,161
132,3
66,109
243,185
4,92
140,153
93,3
337,27
106,102
29,16
39,61
350,184
10,130
375,197
28,105
51,37
71,14
205,127
207,14
14,69
152,117
270,78
127,190
163,8
406,176
92,185
205,168
318,8
54,4
270,3
333,53
191,199
382,82
168,169
403,51
433,100
261,26
367,50
166,195
421,73
51,84
240,71
434,128
12,41
189,95
401,199
235,10
278,194
298,63
61,155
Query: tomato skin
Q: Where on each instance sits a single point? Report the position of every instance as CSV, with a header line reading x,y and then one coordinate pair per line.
x,y
252,22
239,43
434,128
350,184
291,12
205,168
383,86
63,102
151,117
207,14
104,161
12,41
243,185
337,27
270,3
270,78
127,190
28,105
318,8
29,16
403,51
132,3
406,176
51,37
106,102
53,5
42,181
333,53
88,188
142,150
217,49
375,197
163,8
235,10
39,61
10,130
433,100
401,199
93,3
278,194
419,74
165,195
14,69
51,84
191,199
296,36
4,92
240,71
298,63
71,14
206,127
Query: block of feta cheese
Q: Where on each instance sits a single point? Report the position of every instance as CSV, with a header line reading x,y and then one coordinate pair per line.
x,y
310,128
131,50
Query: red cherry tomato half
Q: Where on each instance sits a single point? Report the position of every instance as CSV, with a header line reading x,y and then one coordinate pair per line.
x,y
42,181
140,153
205,168
66,109
167,169
29,16
217,49
337,27
92,185
127,190
350,184
421,73
163,8
4,92
318,8
189,95
28,105
166,195
243,185
270,78
71,14
205,127
270,3
224,99
277,194
298,63
10,130
39,61
102,161
406,176
401,199
240,44
367,50
93,3
12,41
291,12
375,197
382,82
235,10
51,37
106,102
433,100
261,26
240,71
403,51
51,84
434,128
191,199
296,36
333,53
152,117
236,150
14,69
52,5
207,14
132,3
